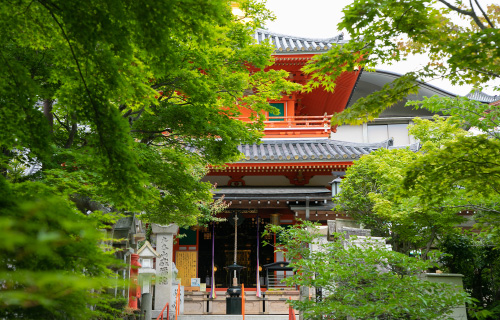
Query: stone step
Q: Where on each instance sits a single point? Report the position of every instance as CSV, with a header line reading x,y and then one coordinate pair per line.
x,y
233,317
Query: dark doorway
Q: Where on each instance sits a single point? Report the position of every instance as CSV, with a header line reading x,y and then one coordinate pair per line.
x,y
224,251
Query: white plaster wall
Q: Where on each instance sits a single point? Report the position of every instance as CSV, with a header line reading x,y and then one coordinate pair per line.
x,y
349,133
374,132
399,132
396,131
320,181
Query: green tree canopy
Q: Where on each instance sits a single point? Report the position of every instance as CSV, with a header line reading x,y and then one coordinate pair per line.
x,y
117,99
362,282
50,264
373,192
467,165
460,38
122,103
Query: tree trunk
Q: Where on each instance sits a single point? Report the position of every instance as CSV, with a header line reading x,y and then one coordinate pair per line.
x,y
47,111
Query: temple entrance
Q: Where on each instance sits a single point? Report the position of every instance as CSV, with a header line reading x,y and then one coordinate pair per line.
x,y
224,250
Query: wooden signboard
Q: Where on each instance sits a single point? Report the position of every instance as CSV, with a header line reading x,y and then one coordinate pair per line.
x,y
186,262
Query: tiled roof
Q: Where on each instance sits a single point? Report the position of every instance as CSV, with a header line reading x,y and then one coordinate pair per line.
x,y
482,97
300,150
291,44
273,193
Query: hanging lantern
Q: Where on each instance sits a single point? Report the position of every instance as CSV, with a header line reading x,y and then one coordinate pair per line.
x,y
275,219
336,186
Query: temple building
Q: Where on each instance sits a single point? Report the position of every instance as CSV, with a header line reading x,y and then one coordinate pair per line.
x,y
288,176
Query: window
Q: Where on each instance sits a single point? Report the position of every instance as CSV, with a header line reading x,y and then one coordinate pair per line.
x,y
280,116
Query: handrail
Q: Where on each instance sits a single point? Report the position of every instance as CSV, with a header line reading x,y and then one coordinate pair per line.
x,y
243,300
291,313
289,118
293,121
160,316
177,300
294,117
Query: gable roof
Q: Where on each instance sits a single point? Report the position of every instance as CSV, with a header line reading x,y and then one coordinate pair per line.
x,y
147,250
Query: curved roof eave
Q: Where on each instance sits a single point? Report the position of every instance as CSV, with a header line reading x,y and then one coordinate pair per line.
x,y
421,83
370,82
287,44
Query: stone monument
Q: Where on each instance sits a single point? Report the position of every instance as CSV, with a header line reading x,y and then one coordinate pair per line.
x,y
164,267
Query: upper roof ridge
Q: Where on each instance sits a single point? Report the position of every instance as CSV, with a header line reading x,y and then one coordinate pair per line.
x,y
334,39
482,97
287,43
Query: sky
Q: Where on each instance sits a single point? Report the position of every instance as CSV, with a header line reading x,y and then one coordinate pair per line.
x,y
319,19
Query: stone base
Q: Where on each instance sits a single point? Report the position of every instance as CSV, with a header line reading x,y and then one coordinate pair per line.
x,y
274,303
233,305
156,313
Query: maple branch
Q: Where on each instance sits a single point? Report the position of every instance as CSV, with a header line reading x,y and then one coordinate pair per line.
x,y
470,13
484,14
65,126
95,108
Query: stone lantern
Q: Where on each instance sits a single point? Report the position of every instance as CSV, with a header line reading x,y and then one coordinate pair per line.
x,y
233,302
147,254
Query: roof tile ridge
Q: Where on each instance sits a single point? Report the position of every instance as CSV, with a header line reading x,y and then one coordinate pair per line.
x,y
262,154
287,154
301,150
293,151
323,151
279,150
347,151
255,149
336,38
360,144
333,150
270,152
309,151
355,150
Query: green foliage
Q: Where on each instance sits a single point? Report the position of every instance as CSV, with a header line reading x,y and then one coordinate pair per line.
x,y
115,106
387,31
466,168
419,194
362,283
476,258
108,307
50,260
433,134
373,192
133,97
470,113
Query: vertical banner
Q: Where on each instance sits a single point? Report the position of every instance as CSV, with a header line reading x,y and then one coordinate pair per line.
x,y
213,295
258,293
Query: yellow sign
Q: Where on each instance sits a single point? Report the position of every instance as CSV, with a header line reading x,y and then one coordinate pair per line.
x,y
186,261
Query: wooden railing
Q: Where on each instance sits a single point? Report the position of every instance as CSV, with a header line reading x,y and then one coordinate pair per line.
x,y
295,121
